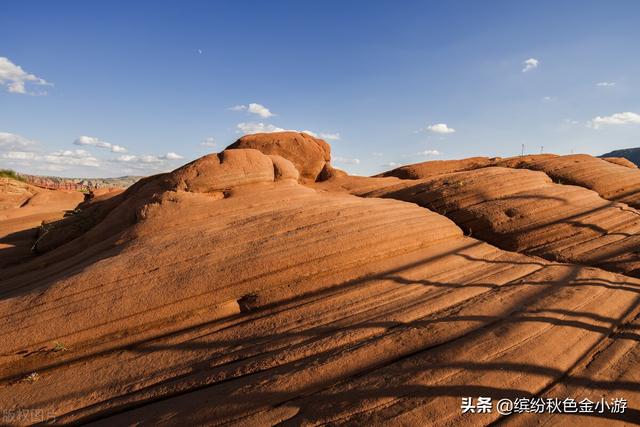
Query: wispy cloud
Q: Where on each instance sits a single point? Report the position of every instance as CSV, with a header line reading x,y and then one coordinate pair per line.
x,y
72,158
59,158
12,141
96,142
429,153
440,128
247,128
260,110
330,136
171,156
530,64
257,127
262,127
142,164
16,79
148,158
254,108
615,119
323,135
127,158
391,165
209,142
606,84
345,160
17,151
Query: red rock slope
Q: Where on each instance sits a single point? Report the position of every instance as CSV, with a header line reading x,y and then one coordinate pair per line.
x,y
524,211
227,293
23,208
611,181
614,180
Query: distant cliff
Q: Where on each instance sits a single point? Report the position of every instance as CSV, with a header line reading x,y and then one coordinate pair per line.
x,y
80,184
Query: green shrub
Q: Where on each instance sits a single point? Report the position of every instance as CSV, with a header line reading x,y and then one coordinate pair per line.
x,y
8,173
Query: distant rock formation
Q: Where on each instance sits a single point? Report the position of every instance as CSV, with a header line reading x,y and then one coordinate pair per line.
x,y
79,184
631,154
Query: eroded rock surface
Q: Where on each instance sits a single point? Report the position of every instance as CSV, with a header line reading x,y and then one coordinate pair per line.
x,y
525,211
228,292
308,154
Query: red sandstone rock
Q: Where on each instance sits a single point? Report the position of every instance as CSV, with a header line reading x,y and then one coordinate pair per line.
x,y
307,153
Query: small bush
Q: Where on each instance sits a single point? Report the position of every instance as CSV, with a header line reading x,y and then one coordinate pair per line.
x,y
8,173
31,378
58,346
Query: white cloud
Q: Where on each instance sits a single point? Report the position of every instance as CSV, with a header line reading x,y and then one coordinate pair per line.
x,y
72,153
260,110
171,156
253,127
606,84
118,149
208,142
614,119
91,140
391,165
143,164
330,136
21,151
346,161
549,98
247,128
72,158
429,153
18,155
323,135
530,64
127,158
377,154
15,78
148,159
254,108
571,122
441,128
12,141
16,150
50,168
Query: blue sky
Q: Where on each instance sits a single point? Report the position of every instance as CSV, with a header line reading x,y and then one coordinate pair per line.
x,y
115,88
